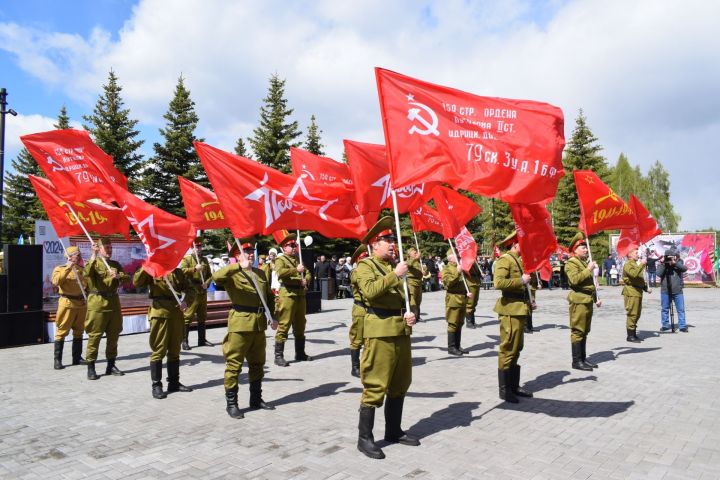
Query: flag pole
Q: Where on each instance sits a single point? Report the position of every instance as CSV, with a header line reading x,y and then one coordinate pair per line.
x,y
595,282
87,234
255,285
417,245
177,298
298,245
197,259
400,249
77,277
457,261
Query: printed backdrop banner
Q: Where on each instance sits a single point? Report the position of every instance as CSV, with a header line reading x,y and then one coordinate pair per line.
x,y
53,253
695,250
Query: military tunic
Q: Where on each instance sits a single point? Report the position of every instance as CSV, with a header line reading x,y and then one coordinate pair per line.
x,y
512,308
245,338
72,308
358,314
455,297
474,280
414,281
104,313
196,296
291,305
386,365
581,298
634,285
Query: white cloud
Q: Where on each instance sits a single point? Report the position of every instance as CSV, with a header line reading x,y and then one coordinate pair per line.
x,y
645,72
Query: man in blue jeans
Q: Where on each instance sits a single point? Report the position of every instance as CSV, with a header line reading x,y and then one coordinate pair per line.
x,y
670,270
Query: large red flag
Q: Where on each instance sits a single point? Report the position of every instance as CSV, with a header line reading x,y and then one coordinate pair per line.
x,y
535,234
258,199
202,207
97,217
646,228
64,157
370,172
425,217
600,207
455,210
466,249
496,147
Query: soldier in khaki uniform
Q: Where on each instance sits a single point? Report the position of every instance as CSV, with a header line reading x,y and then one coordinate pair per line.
x,y
513,308
634,286
104,313
358,314
291,305
72,308
414,281
456,299
581,298
474,280
386,365
247,323
166,327
199,276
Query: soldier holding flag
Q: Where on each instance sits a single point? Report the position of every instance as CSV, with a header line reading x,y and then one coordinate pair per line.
x,y
456,299
199,276
72,306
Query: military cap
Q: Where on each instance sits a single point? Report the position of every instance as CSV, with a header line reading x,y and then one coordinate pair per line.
x,y
450,253
509,240
359,253
383,228
71,250
287,238
578,239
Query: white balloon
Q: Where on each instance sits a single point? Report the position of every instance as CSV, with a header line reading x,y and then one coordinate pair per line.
x,y
308,240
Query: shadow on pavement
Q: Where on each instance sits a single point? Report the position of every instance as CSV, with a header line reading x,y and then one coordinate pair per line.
x,y
242,381
568,408
410,394
326,329
454,415
333,353
608,355
487,324
324,390
550,380
547,326
426,338
320,340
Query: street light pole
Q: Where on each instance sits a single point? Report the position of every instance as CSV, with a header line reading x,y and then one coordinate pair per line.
x,y
3,110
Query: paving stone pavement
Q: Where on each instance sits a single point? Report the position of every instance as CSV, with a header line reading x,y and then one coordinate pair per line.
x,y
651,410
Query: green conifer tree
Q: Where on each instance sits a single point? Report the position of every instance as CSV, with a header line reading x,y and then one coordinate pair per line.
x,y
312,143
175,156
241,149
658,199
114,131
272,140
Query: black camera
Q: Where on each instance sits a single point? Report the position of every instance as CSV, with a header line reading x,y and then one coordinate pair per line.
x,y
668,259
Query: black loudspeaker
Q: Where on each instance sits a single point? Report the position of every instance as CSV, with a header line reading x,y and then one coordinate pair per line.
x,y
3,293
23,267
313,304
22,328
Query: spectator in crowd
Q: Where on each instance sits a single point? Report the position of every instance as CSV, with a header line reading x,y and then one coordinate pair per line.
x,y
321,270
613,276
652,258
433,271
608,264
342,276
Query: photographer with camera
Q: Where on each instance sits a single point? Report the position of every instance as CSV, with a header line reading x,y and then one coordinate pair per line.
x,y
670,272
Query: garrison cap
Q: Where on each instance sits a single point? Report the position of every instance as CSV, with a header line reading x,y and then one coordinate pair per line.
x,y
359,253
509,240
71,250
577,240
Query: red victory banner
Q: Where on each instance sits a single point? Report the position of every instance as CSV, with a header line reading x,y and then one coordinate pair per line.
x,y
370,173
202,207
455,210
257,199
64,156
600,207
98,217
535,234
425,218
466,249
495,147
646,228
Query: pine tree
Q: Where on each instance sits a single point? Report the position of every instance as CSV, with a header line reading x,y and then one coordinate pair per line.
x,y
312,143
176,156
114,132
272,140
658,198
240,149
63,121
582,152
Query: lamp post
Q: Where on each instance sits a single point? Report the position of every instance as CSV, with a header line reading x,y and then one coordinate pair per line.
x,y
3,110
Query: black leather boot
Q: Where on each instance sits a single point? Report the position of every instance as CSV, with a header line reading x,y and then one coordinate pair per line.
x,y
111,369
280,355
58,354
300,355
156,377
458,338
91,375
185,345
577,361
516,388
366,441
202,341
529,324
231,398
505,386
470,321
631,337
77,345
174,385
452,345
256,401
584,355
393,418
355,362
635,335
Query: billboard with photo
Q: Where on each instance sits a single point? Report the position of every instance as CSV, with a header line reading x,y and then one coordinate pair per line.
x,y
695,250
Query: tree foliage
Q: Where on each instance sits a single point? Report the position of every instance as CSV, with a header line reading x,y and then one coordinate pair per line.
x,y
313,143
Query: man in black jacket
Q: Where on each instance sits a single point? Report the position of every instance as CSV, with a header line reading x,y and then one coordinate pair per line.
x,y
670,272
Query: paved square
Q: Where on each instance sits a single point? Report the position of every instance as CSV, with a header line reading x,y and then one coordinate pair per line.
x,y
651,410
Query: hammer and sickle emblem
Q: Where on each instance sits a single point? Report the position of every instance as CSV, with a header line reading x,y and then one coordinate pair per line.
x,y
429,126
612,196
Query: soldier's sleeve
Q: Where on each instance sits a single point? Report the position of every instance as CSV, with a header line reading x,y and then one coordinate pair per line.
x,y
284,269
142,278
450,276
576,274
222,275
122,276
372,286
186,267
183,282
502,280
59,274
